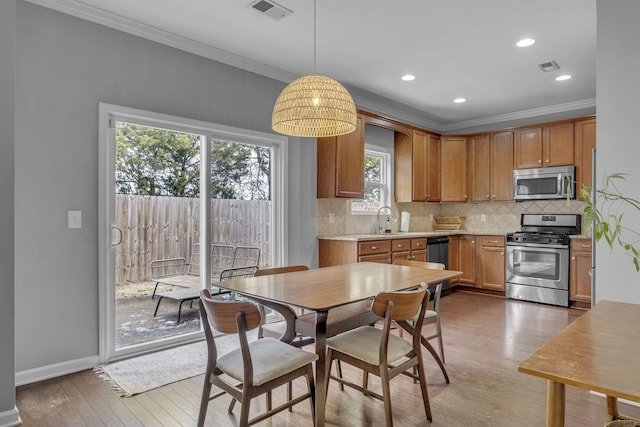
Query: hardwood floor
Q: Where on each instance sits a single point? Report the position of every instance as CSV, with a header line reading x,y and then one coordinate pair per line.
x,y
485,339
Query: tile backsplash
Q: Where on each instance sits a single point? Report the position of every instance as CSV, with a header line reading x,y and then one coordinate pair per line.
x,y
499,217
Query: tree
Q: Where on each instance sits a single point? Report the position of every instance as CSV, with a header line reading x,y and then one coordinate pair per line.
x,y
158,162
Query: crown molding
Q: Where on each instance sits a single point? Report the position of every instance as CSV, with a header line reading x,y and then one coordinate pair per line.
x,y
524,114
117,22
417,118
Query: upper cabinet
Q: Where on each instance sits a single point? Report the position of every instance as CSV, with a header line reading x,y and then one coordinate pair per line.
x,y
544,146
491,167
453,169
585,143
417,167
341,164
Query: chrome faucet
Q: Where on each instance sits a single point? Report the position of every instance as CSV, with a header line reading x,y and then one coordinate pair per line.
x,y
393,215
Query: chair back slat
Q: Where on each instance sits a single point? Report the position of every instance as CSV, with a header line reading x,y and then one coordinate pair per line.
x,y
423,264
221,258
222,314
405,303
280,270
246,256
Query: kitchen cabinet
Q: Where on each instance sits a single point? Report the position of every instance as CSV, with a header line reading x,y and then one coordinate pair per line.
x,y
585,143
551,145
490,262
579,270
417,167
340,164
411,249
491,167
337,252
454,257
467,260
453,176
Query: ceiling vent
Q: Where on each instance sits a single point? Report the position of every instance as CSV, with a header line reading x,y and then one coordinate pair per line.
x,y
270,8
549,66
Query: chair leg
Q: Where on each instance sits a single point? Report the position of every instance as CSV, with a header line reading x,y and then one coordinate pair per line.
x,y
439,330
312,391
386,394
365,380
204,400
244,411
269,400
154,290
231,405
423,388
290,394
339,369
157,306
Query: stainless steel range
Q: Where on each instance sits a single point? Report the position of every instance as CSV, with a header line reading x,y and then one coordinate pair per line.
x,y
538,258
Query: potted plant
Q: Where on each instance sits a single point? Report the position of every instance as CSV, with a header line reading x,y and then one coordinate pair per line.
x,y
606,218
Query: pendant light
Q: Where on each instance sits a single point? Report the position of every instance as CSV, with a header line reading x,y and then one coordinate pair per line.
x,y
314,106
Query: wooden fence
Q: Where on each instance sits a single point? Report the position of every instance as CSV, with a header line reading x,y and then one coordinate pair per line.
x,y
167,227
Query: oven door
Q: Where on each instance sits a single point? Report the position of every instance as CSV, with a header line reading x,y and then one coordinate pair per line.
x,y
546,266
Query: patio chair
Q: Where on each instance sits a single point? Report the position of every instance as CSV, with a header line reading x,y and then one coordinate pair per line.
x,y
259,366
246,256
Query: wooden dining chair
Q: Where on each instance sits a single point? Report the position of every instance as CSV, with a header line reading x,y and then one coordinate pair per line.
x,y
259,366
432,313
374,350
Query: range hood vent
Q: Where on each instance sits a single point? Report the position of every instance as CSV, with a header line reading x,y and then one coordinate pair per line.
x,y
270,8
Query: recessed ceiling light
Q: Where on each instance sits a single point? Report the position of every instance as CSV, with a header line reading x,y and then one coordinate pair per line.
x,y
563,77
525,42
408,77
460,100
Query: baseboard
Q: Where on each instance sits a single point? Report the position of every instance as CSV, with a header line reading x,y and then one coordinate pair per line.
x,y
56,370
10,418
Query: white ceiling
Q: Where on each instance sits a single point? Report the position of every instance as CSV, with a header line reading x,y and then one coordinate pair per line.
x,y
456,48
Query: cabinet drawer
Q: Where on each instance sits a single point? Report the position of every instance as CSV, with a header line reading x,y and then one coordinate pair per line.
x,y
417,244
583,245
492,241
400,245
374,247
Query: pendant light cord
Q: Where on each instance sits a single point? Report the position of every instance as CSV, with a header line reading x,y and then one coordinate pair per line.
x,y
315,23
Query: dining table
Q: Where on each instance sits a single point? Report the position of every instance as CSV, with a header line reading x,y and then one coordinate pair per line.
x,y
599,351
323,289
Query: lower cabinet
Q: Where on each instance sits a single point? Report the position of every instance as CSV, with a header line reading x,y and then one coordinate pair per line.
x,y
579,270
337,252
454,257
467,260
490,259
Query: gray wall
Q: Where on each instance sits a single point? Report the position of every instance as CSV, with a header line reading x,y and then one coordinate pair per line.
x,y
618,89
7,89
65,67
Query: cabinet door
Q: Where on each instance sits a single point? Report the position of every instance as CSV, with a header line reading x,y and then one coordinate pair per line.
x,y
579,268
558,144
585,143
433,168
404,190
419,167
528,148
382,259
467,262
479,168
454,169
454,256
340,164
491,268
419,255
501,166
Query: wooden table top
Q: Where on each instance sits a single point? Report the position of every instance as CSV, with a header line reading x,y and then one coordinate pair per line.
x,y
599,351
329,287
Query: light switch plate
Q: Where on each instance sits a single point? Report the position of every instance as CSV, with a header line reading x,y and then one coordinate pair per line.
x,y
483,218
332,218
74,219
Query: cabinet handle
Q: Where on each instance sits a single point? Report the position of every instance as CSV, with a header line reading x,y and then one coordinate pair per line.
x,y
400,246
373,248
413,257
585,246
418,244
473,242
494,196
493,241
539,161
487,196
465,196
547,160
501,253
573,258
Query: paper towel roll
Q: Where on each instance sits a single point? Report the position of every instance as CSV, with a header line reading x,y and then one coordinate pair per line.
x,y
404,221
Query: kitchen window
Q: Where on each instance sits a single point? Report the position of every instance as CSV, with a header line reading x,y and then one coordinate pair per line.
x,y
377,183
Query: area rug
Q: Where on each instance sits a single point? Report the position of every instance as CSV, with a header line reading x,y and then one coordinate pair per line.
x,y
143,373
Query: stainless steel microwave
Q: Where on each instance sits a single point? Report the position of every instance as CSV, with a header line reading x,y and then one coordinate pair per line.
x,y
544,183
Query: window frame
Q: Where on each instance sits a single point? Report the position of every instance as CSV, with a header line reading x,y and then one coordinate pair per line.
x,y
385,181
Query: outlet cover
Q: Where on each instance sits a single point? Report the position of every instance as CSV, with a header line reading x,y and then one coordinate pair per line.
x,y
332,218
74,219
483,218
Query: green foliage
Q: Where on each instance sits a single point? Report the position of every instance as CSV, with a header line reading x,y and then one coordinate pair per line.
x,y
606,222
158,162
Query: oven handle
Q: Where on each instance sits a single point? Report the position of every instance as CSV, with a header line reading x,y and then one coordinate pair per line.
x,y
536,245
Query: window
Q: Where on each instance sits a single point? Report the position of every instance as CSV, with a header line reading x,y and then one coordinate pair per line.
x,y
377,185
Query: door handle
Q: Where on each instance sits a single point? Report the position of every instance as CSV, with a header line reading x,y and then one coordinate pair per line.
x,y
116,236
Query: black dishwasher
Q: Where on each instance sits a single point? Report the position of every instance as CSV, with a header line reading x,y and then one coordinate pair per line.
x,y
438,251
